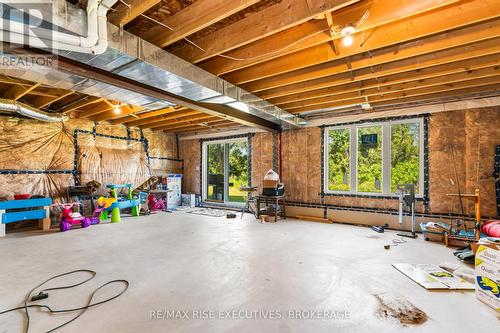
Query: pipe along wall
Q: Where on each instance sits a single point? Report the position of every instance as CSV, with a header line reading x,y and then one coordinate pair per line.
x,y
301,164
39,157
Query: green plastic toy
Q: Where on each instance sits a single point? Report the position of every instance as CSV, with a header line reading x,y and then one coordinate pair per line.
x,y
118,205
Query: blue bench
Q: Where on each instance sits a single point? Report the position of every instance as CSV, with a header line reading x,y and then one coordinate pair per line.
x,y
35,213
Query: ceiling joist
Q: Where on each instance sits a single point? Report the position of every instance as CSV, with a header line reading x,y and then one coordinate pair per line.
x,y
256,26
194,18
394,33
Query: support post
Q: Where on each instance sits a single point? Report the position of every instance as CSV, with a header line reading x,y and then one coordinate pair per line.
x,y
45,223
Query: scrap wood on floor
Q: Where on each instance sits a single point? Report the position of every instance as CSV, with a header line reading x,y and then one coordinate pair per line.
x,y
313,219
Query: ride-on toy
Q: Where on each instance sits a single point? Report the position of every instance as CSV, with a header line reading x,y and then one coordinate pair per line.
x,y
69,218
102,204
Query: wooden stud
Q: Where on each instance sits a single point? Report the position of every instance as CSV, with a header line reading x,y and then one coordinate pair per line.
x,y
143,115
400,95
377,80
180,121
45,223
408,86
122,14
18,91
195,17
163,118
257,26
427,52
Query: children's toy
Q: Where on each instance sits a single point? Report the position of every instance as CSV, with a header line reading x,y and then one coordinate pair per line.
x,y
32,209
157,200
102,203
115,207
70,218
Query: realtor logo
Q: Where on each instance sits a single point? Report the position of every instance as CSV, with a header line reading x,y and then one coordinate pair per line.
x,y
26,24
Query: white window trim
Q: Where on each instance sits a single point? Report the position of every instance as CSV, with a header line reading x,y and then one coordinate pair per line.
x,y
386,157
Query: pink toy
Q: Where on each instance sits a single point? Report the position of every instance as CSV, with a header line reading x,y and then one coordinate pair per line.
x,y
155,204
69,218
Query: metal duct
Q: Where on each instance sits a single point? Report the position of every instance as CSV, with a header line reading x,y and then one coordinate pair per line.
x,y
134,58
11,106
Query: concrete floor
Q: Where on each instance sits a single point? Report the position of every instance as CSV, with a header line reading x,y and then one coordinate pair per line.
x,y
189,262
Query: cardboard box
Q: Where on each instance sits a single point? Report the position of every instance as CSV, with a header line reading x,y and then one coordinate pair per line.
x,y
488,276
189,200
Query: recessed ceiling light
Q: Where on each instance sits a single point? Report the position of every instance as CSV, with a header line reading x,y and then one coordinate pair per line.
x,y
348,29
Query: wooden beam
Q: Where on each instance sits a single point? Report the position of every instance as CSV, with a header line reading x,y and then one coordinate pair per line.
x,y
18,91
220,110
162,118
316,32
211,128
44,101
79,103
195,17
191,127
123,14
193,119
439,81
454,17
403,94
453,46
111,114
256,26
331,27
143,115
94,110
390,80
438,97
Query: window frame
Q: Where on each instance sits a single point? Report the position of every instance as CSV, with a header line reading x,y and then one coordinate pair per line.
x,y
386,127
204,168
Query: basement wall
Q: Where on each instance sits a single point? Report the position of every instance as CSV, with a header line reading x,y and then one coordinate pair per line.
x,y
40,147
461,132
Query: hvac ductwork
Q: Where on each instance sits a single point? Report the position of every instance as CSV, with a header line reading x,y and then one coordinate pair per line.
x,y
11,106
134,58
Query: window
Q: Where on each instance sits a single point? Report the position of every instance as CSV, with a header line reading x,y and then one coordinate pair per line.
x,y
339,168
225,170
372,159
369,168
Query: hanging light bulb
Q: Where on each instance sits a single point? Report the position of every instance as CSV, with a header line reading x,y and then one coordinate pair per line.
x,y
347,40
116,109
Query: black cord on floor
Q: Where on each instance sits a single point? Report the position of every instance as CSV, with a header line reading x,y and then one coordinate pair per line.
x,y
43,294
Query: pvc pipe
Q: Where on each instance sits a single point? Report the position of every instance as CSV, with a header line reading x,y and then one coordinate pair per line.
x,y
96,41
40,43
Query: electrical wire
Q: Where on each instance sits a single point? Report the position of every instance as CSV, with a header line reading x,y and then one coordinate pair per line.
x,y
334,29
82,309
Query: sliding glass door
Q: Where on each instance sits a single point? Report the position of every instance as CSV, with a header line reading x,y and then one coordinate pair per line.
x,y
225,171
215,172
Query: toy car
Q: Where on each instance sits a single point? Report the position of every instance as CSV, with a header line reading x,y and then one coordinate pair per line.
x,y
69,218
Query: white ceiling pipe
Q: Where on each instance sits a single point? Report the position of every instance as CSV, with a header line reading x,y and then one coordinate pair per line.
x,y
96,41
40,43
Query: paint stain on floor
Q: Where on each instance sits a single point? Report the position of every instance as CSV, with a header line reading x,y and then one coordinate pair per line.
x,y
403,311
